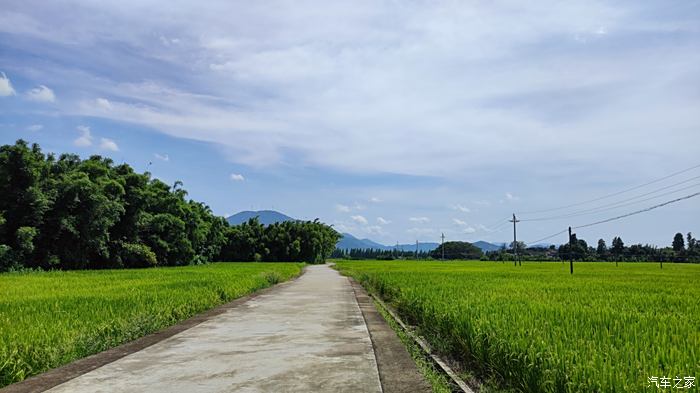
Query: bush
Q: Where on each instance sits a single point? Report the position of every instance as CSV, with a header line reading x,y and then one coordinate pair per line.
x,y
137,255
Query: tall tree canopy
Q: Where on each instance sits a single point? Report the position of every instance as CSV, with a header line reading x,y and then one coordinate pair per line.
x,y
68,213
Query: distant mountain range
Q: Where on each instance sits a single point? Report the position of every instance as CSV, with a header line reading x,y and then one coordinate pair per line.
x,y
348,241
266,217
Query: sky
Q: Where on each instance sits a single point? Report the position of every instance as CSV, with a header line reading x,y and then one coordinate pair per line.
x,y
391,120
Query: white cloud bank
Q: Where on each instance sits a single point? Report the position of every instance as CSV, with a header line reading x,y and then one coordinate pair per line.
x,y
502,76
359,219
6,88
237,177
41,94
85,138
108,144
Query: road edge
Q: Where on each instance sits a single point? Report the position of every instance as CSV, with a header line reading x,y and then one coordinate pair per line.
x,y
398,372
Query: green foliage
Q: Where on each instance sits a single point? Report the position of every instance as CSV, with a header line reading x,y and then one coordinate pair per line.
x,y
457,250
306,241
137,255
69,213
536,328
48,319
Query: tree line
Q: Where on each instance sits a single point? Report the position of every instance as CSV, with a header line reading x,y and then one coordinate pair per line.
x,y
682,249
64,212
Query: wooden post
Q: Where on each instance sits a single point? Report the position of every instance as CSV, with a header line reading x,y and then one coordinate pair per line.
x,y
571,253
516,260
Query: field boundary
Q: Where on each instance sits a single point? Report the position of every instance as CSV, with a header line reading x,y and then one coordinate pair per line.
x,y
420,342
398,372
65,373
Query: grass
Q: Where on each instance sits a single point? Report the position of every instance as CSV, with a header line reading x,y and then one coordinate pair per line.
x,y
536,328
48,319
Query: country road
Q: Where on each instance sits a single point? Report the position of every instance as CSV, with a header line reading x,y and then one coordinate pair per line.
x,y
307,335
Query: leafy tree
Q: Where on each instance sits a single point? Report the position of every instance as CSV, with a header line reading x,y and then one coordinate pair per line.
x,y
457,250
618,246
602,249
678,243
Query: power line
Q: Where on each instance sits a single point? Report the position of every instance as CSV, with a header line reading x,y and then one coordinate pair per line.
x,y
620,217
548,237
640,211
621,203
613,194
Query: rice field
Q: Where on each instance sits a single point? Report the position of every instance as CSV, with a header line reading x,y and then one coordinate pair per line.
x,y
48,319
536,328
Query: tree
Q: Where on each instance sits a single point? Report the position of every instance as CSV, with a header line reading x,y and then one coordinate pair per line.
x,y
457,250
618,246
692,243
602,249
678,243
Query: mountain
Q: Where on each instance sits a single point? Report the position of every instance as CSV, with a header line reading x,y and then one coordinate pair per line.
x,y
486,246
349,241
266,217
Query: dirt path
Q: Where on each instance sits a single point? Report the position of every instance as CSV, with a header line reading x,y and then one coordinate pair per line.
x,y
305,336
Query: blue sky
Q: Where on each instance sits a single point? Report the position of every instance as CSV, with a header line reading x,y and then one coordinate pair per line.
x,y
390,120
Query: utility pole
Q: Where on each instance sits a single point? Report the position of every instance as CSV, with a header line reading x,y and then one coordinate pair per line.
x,y
443,246
515,242
571,252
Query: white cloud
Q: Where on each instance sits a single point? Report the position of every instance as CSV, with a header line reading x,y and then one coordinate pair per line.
x,y
375,199
421,220
41,94
237,177
162,157
359,219
469,230
342,208
35,127
103,103
511,197
108,144
383,221
85,138
421,231
459,222
6,88
374,230
461,208
358,206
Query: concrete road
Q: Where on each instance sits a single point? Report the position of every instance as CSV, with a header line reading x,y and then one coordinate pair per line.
x,y
304,336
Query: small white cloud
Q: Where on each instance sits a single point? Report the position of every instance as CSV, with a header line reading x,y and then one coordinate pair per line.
x,y
459,222
342,208
421,220
375,200
5,86
358,206
103,103
108,144
421,231
469,230
35,127
359,219
461,208
162,157
601,30
511,197
383,221
374,230
41,94
237,177
85,138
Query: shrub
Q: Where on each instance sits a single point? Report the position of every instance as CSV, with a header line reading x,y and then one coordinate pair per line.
x,y
137,255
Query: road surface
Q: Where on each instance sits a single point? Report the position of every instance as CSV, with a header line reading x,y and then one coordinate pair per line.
x,y
307,335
